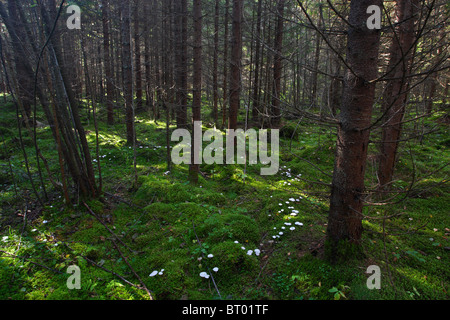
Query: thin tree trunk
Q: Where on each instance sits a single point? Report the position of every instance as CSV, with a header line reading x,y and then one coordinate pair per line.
x,y
197,84
181,62
147,57
216,64
137,55
107,62
127,71
278,67
256,84
316,61
396,94
434,77
225,65
235,65
17,34
87,177
19,125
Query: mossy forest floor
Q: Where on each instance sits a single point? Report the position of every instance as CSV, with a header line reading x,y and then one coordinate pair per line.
x,y
166,225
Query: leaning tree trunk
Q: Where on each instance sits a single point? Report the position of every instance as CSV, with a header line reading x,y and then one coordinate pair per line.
x,y
80,162
346,203
396,93
17,33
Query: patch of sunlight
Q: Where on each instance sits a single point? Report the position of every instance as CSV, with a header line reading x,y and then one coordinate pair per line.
x,y
106,139
373,226
416,276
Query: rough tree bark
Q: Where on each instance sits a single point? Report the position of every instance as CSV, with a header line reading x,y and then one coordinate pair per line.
x,y
396,93
346,203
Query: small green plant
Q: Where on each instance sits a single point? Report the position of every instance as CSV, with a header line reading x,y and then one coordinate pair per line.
x,y
339,293
90,285
413,293
202,249
416,255
283,284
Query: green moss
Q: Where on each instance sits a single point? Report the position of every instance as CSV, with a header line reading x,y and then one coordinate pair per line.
x,y
232,261
90,231
290,131
211,197
342,251
230,226
163,211
163,191
158,223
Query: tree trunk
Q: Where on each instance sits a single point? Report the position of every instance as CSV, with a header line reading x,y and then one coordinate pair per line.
x,y
137,56
197,84
148,78
316,61
278,67
107,62
225,65
181,62
396,93
72,130
17,33
127,71
434,77
346,203
235,64
216,64
256,84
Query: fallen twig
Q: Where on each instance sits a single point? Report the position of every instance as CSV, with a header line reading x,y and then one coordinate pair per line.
x,y
110,271
32,262
132,270
106,227
210,273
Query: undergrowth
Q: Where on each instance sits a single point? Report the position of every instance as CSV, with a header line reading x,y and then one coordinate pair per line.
x,y
235,235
